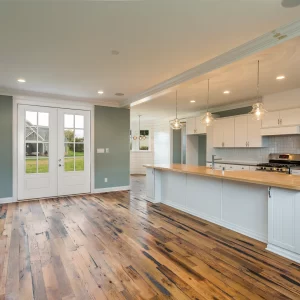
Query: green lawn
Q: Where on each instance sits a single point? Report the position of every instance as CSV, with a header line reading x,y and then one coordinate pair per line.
x,y
43,166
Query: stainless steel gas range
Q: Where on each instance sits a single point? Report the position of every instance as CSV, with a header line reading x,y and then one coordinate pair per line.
x,y
282,163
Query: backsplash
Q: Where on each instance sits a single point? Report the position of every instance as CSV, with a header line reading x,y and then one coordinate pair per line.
x,y
276,144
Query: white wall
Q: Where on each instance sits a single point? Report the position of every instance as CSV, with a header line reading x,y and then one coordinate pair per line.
x,y
276,144
160,146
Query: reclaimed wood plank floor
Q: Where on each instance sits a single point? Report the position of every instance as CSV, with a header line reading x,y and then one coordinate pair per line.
x,y
119,246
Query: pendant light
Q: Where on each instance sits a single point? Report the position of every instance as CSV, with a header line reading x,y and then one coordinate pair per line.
x,y
258,111
207,119
175,124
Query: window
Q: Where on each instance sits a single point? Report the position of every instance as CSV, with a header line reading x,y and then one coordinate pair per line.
x,y
37,142
74,142
140,142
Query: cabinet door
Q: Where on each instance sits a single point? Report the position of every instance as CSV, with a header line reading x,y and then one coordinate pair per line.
x,y
150,176
190,126
218,134
290,117
284,219
228,129
200,128
253,133
271,119
240,128
241,168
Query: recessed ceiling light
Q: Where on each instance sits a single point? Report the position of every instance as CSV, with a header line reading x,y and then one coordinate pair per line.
x,y
280,77
192,101
100,92
22,80
119,94
226,92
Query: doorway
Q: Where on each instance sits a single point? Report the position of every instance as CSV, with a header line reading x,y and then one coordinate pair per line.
x,y
53,152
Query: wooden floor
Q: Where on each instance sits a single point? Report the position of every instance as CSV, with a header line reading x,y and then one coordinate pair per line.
x,y
118,246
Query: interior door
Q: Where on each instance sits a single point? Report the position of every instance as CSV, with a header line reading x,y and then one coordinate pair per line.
x,y
73,152
37,152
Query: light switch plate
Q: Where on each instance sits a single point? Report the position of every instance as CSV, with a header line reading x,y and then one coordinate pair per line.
x,y
107,150
100,150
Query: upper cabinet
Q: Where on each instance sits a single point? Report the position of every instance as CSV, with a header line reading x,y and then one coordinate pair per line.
x,y
194,126
241,132
288,117
247,132
223,133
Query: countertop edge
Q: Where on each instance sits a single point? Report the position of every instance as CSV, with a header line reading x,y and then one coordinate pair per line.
x,y
220,176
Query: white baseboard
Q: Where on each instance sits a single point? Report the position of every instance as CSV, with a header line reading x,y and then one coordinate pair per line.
x,y
285,253
7,200
223,223
111,189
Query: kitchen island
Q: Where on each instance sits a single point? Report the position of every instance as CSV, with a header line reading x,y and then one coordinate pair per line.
x,y
264,206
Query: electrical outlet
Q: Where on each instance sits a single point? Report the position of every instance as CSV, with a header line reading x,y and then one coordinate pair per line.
x,y
105,179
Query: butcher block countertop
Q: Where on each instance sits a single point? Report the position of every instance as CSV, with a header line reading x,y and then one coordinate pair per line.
x,y
284,181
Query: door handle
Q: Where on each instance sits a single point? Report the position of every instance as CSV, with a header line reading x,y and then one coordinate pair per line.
x,y
60,165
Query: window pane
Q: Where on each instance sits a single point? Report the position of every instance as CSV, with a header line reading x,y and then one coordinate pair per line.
x,y
69,164
31,118
31,165
43,165
43,149
43,119
69,150
79,121
79,135
79,149
43,134
31,133
69,121
69,135
79,163
31,149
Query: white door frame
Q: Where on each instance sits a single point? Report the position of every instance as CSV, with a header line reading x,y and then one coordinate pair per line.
x,y
55,103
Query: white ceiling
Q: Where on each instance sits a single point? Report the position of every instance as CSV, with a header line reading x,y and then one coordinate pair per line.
x,y
239,78
63,48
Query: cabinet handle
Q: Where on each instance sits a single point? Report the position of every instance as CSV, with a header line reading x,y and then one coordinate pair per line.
x,y
278,122
270,192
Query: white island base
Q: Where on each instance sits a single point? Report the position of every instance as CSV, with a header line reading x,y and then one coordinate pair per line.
x,y
267,214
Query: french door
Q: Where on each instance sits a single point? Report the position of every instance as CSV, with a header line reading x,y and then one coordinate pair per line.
x,y
53,152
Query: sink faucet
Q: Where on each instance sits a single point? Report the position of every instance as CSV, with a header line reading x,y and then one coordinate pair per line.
x,y
213,159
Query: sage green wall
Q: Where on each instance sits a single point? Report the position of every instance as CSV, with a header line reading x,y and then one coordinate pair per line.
x,y
112,127
6,164
176,146
202,150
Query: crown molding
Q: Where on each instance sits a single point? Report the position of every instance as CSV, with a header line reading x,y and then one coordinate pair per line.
x,y
263,42
28,94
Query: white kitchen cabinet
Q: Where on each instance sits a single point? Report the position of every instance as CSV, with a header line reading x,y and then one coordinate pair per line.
x,y
284,219
241,131
190,126
194,126
287,117
271,119
247,132
252,168
223,133
290,117
241,168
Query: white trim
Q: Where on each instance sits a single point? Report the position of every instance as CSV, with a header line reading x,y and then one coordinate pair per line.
x,y
48,102
111,189
22,94
265,41
285,253
7,200
223,223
